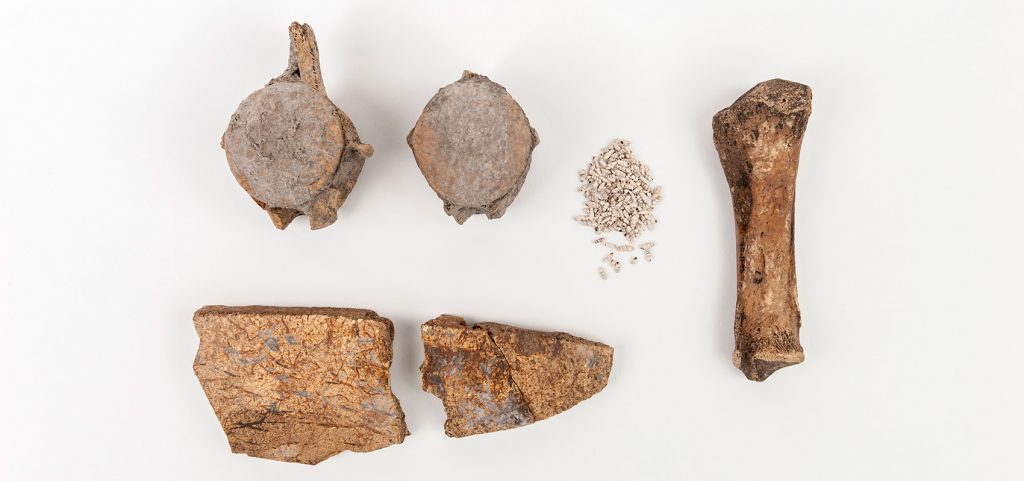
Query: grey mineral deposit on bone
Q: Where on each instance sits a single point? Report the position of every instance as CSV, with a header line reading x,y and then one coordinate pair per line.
x,y
284,142
473,143
292,149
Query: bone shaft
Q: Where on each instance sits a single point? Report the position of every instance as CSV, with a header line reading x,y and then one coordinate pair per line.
x,y
759,139
767,312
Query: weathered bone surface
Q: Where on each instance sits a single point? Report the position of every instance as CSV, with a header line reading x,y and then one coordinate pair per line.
x,y
473,144
492,377
758,139
299,384
290,147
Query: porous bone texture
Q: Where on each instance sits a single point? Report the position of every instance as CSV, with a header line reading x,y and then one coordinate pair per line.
x,y
473,144
492,377
758,140
290,147
299,384
284,143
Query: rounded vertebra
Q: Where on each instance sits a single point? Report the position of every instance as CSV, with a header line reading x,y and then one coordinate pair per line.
x,y
473,144
290,147
284,144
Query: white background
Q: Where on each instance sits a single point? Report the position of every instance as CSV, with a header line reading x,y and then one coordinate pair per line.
x,y
119,218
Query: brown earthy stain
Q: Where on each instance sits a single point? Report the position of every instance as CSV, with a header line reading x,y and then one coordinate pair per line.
x,y
492,377
299,384
758,140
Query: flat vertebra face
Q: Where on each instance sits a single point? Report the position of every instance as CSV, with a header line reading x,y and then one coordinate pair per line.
x,y
284,144
472,142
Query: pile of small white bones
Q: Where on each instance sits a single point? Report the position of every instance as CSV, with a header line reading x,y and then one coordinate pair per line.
x,y
619,197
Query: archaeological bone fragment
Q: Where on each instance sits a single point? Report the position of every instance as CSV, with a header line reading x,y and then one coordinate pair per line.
x,y
290,147
492,376
473,144
299,384
758,139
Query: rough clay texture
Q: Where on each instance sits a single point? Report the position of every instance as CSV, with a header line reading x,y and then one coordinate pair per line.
x,y
758,140
492,377
290,147
299,384
473,144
